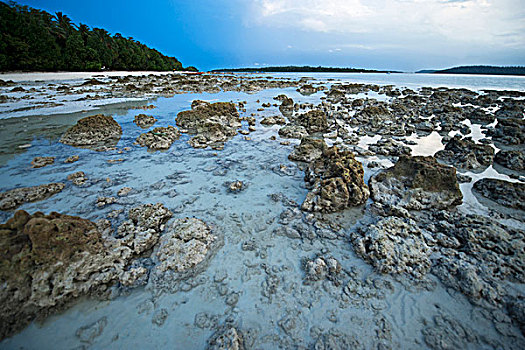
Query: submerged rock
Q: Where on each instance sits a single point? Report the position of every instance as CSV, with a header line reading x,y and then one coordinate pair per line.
x,y
287,105
508,194
466,154
144,121
417,183
39,162
12,199
160,138
235,186
78,178
394,245
322,267
213,123
95,132
72,159
336,182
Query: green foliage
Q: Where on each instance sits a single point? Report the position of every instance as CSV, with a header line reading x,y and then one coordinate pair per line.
x,y
35,40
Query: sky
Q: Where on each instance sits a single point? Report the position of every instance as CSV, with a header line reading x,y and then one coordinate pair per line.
x,y
406,35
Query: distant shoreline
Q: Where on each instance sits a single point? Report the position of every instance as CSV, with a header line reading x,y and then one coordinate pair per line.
x,y
300,69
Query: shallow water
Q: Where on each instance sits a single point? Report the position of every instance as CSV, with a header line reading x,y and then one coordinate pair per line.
x,y
256,279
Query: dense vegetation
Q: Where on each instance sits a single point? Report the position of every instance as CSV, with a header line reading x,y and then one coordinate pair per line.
x,y
303,69
32,39
489,70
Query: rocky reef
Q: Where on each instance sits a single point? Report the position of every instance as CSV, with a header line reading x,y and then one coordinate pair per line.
x,y
212,123
97,132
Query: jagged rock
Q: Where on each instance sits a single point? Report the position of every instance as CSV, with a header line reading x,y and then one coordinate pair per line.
x,y
509,131
78,178
508,194
293,131
95,132
124,191
186,243
417,183
276,119
336,182
71,159
39,162
464,153
313,121
444,332
514,160
213,123
12,199
389,147
144,121
308,150
394,245
336,340
103,201
159,138
226,338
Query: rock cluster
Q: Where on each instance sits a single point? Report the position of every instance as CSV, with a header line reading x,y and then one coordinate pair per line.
x,y
313,121
160,138
212,123
514,159
417,183
12,199
95,132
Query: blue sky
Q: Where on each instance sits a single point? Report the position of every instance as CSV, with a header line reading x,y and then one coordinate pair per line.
x,y
383,34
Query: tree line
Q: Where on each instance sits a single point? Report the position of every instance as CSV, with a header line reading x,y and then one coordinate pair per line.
x,y
35,40
492,70
302,69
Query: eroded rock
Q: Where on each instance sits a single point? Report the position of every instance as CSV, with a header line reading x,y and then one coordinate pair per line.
x,y
160,138
465,153
12,199
144,121
508,194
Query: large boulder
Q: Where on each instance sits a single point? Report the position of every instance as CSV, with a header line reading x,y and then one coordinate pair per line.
x,y
335,180
12,199
95,132
508,194
159,138
465,153
417,183
212,123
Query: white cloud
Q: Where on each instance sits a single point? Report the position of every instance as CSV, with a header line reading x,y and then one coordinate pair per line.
x,y
407,22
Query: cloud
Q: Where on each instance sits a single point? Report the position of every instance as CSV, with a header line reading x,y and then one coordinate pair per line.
x,y
474,23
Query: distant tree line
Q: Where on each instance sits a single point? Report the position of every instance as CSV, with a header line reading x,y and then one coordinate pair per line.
x,y
302,69
32,39
492,70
